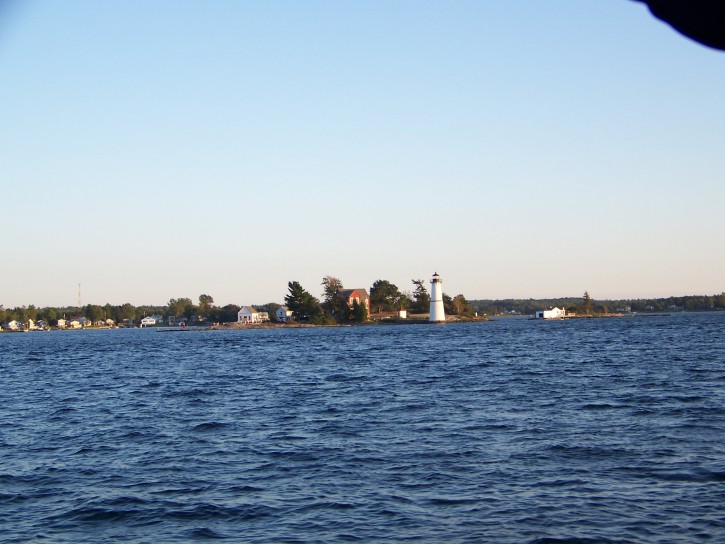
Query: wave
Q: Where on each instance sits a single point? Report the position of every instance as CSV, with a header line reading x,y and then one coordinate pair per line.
x,y
210,426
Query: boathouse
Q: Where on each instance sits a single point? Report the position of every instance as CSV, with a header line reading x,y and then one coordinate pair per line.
x,y
554,313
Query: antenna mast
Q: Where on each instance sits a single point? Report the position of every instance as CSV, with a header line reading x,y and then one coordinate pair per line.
x,y
79,295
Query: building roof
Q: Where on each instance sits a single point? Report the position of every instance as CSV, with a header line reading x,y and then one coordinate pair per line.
x,y
347,293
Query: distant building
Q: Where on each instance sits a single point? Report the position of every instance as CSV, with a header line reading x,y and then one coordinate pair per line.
x,y
13,325
79,323
247,314
356,295
283,314
148,321
554,313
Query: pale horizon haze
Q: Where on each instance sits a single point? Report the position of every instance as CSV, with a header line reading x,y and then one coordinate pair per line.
x,y
521,149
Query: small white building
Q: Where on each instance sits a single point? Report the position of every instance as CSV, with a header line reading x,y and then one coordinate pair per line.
x,y
554,313
283,314
62,323
247,314
13,325
104,323
77,323
148,321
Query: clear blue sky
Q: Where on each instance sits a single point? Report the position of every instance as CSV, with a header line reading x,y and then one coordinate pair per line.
x,y
151,150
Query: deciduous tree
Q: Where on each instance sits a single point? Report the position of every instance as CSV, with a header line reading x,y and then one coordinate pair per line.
x,y
127,311
462,306
93,312
334,303
385,296
177,306
330,287
205,304
225,314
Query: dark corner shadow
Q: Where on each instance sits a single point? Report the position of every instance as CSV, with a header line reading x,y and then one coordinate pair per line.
x,y
699,20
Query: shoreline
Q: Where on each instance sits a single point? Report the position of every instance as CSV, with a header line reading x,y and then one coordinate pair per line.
x,y
418,319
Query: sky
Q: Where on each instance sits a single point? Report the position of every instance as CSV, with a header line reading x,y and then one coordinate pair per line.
x,y
521,149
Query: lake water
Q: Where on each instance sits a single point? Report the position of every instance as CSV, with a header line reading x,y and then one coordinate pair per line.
x,y
602,430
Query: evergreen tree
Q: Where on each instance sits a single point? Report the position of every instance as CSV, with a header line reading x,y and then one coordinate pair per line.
x,y
448,306
304,306
587,302
421,298
358,313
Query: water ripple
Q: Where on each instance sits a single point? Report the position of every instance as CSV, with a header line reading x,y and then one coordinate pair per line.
x,y
512,431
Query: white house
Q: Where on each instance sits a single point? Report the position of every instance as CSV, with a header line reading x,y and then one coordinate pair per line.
x,y
554,313
248,315
148,321
104,323
284,314
76,323
13,325
62,323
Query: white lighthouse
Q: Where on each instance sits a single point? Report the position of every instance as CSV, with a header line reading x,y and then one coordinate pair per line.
x,y
437,314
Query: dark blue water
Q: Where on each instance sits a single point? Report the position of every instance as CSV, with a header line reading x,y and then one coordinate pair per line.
x,y
509,431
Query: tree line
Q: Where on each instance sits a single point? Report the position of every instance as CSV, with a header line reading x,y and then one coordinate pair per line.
x,y
588,305
331,308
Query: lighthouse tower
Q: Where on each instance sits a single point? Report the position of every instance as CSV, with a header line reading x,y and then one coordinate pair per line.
x,y
437,315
